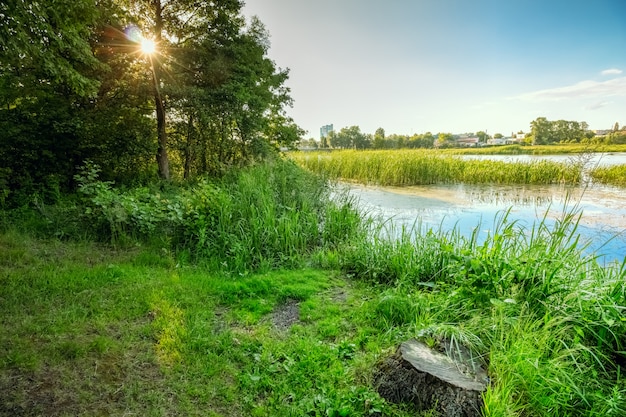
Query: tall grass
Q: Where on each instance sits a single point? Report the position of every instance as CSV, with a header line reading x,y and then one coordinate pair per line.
x,y
265,216
614,175
419,167
547,319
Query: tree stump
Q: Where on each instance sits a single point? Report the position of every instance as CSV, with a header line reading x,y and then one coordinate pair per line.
x,y
430,379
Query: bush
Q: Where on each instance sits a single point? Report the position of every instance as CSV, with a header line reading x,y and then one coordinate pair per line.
x,y
265,216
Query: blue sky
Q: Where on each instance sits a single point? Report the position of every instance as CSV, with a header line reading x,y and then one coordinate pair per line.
x,y
449,65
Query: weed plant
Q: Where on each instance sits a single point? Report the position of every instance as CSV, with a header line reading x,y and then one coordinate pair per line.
x,y
420,167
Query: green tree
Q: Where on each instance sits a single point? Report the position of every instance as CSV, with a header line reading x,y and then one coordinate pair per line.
x,y
379,139
444,140
73,85
541,131
226,101
482,136
46,44
47,73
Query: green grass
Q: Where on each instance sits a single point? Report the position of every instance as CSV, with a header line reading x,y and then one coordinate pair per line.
x,y
88,330
422,167
178,310
548,320
614,175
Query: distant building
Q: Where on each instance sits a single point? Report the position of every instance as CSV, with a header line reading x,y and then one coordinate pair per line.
x,y
467,141
497,141
602,132
325,130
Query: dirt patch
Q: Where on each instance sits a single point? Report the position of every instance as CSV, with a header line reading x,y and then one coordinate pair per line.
x,y
286,315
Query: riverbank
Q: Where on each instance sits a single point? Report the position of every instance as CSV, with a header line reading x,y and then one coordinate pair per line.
x,y
557,149
254,295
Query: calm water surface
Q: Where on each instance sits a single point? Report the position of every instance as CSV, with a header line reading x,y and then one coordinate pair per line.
x,y
603,218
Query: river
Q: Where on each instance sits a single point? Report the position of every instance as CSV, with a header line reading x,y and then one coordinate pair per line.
x,y
602,208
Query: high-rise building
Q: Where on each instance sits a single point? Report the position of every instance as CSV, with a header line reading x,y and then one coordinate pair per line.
x,y
325,130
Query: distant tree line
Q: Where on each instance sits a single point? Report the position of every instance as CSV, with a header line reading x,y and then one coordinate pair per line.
x,y
76,86
545,132
542,132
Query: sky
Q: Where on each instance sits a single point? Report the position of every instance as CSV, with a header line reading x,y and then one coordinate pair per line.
x,y
457,66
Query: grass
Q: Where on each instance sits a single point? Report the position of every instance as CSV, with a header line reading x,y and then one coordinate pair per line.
x,y
614,175
421,167
176,310
89,330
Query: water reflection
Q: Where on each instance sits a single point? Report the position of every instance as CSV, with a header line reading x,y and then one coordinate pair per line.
x,y
602,224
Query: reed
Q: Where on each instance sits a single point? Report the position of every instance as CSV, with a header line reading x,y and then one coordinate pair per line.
x,y
419,167
615,175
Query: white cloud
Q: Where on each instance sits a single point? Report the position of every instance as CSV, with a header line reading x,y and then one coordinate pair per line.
x,y
597,105
611,71
613,87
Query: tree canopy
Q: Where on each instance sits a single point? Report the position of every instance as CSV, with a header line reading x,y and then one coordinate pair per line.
x,y
76,86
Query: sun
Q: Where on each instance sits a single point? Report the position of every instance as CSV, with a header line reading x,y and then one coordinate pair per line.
x,y
148,46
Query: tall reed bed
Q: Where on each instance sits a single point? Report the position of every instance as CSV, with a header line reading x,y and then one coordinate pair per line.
x,y
548,321
615,175
406,167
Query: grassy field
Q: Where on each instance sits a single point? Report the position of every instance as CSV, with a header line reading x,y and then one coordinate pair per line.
x,y
89,330
422,167
163,303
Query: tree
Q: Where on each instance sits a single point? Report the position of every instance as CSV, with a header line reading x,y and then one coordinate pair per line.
x,y
482,136
47,72
444,140
350,137
73,86
541,131
498,136
379,139
46,43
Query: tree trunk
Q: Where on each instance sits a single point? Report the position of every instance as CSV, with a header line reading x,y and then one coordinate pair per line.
x,y
161,156
188,148
428,379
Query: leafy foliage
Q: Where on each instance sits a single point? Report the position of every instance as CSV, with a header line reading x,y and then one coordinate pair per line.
x,y
74,86
265,216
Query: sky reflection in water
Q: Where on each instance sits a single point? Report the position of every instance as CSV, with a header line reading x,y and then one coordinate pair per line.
x,y
603,220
